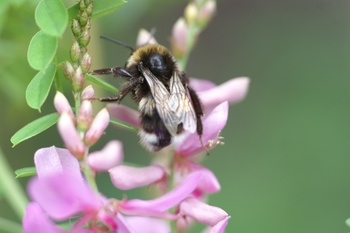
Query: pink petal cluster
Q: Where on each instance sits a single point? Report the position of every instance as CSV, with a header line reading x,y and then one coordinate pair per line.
x,y
60,193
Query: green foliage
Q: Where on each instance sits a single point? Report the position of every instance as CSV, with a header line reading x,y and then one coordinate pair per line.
x,y
38,89
42,50
101,83
34,128
51,17
25,172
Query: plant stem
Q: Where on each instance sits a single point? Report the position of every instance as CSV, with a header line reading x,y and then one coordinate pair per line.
x,y
12,190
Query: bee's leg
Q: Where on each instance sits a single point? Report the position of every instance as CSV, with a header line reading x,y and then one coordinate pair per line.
x,y
116,71
123,91
199,113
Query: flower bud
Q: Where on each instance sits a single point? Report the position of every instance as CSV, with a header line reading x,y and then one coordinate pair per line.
x,y
98,125
82,6
144,37
89,9
83,19
76,28
70,136
62,105
207,12
78,80
85,38
75,52
191,13
68,70
88,93
86,62
85,115
179,38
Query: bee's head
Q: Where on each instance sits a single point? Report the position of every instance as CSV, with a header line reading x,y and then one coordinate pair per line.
x,y
156,58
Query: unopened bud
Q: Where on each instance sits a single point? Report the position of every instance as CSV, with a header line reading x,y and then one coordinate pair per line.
x,y
207,12
83,19
75,52
82,6
89,9
76,28
70,136
191,12
85,115
85,38
86,62
62,105
98,125
179,38
68,70
88,93
144,38
78,80
87,2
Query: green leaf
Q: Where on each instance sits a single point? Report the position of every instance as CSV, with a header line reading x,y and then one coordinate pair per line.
x,y
26,171
123,125
34,128
101,8
39,88
51,17
41,51
102,83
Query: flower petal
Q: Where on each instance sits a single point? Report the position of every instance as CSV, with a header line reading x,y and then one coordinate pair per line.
x,y
52,160
126,177
213,123
125,114
63,194
156,207
148,225
220,226
110,156
36,221
201,84
232,91
62,105
202,212
209,183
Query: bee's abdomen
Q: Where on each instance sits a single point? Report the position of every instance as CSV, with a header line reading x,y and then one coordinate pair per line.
x,y
154,134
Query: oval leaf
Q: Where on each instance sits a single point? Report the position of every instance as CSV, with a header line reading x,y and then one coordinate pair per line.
x,y
101,8
102,83
41,51
51,17
26,171
38,89
123,125
34,128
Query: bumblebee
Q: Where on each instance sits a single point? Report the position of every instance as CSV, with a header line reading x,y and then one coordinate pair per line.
x,y
168,105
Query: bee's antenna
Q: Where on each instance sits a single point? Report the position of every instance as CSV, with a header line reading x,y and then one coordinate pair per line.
x,y
118,42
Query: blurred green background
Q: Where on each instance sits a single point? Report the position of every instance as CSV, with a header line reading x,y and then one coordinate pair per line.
x,y
285,164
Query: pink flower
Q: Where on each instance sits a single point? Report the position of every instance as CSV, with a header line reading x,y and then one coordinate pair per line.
x,y
60,193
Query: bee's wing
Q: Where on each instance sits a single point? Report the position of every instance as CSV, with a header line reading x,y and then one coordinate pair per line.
x,y
181,104
173,107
